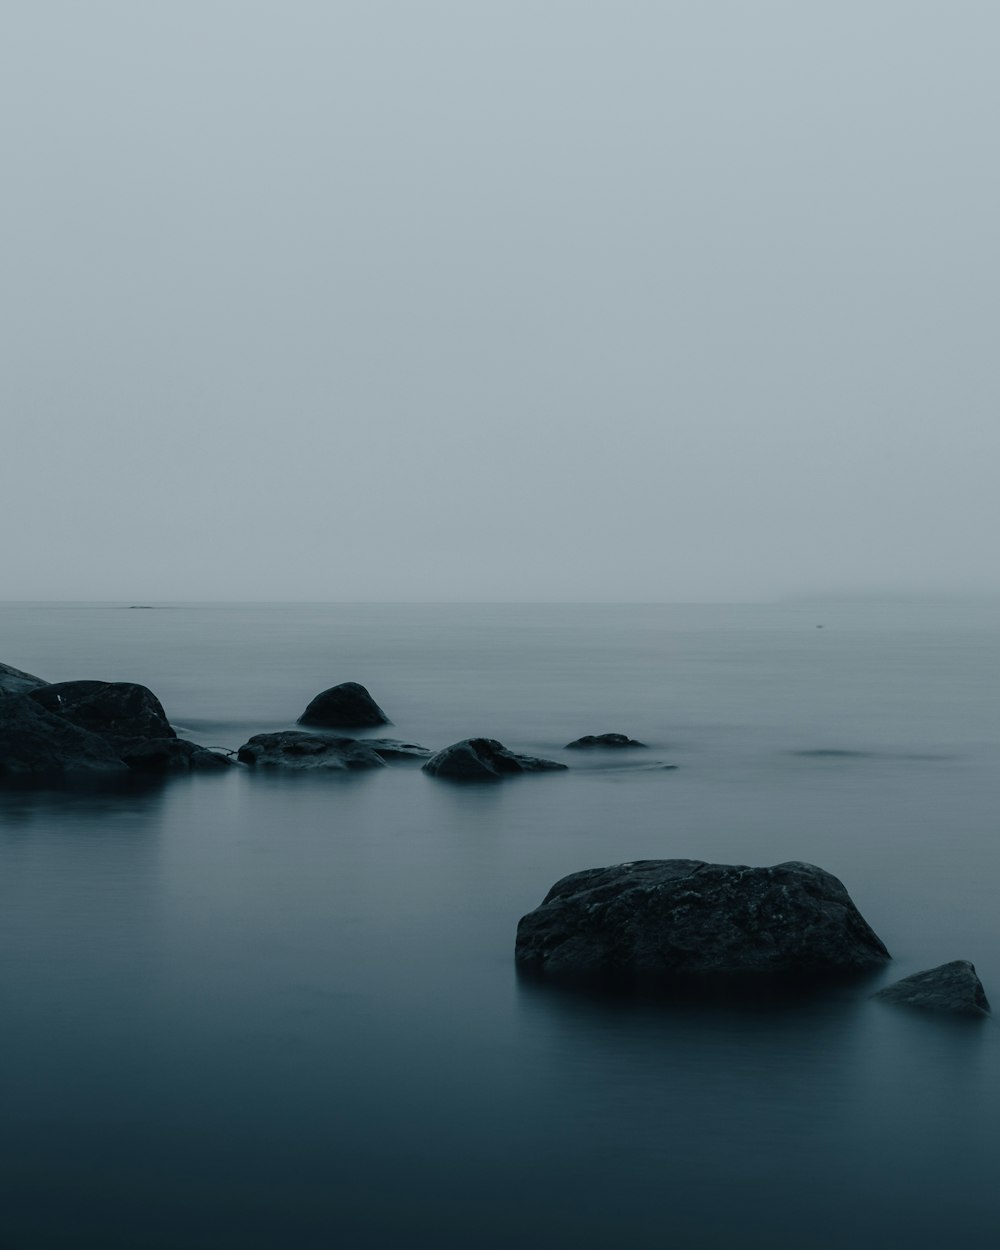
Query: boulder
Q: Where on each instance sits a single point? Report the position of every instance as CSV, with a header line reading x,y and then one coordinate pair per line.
x,y
171,755
120,711
683,918
14,681
35,743
603,740
93,726
483,759
293,749
347,706
952,987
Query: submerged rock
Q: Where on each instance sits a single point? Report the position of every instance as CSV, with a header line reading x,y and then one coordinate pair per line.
x,y
169,755
684,918
35,743
347,706
393,749
293,749
952,987
14,681
481,759
603,740
120,711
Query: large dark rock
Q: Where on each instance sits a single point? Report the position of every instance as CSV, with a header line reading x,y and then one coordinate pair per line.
x,y
347,706
34,743
120,711
603,740
14,681
293,749
952,987
75,727
172,755
483,759
684,918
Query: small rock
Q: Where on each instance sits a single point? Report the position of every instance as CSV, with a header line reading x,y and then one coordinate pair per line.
x,y
603,740
294,749
952,987
347,706
483,759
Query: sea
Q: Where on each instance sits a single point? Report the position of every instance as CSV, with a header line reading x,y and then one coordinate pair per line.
x,y
275,1011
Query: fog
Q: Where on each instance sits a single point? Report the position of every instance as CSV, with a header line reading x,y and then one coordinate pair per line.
x,y
498,299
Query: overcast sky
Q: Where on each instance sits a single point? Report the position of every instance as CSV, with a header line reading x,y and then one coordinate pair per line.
x,y
498,299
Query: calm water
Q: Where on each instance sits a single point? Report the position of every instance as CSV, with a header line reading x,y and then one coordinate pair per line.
x,y
265,1011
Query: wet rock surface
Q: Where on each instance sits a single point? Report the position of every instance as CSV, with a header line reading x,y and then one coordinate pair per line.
x,y
35,743
347,706
73,728
294,749
171,755
394,749
484,759
14,681
122,712
685,918
603,740
953,987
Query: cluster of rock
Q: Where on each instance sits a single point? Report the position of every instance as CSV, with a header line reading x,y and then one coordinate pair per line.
x,y
683,921
668,921
86,727
89,727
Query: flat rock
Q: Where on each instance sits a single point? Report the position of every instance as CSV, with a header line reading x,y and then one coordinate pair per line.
x,y
483,759
14,681
347,706
393,749
293,749
171,755
686,918
35,743
122,712
952,987
603,740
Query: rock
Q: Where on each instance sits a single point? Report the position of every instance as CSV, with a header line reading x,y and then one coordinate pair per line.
x,y
481,759
393,749
120,711
685,918
13,681
35,743
347,706
293,749
164,755
952,987
603,740
93,726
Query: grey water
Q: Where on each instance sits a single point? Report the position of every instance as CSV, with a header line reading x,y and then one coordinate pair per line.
x,y
267,1010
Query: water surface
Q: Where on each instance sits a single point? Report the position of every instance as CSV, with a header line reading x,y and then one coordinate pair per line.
x,y
281,1011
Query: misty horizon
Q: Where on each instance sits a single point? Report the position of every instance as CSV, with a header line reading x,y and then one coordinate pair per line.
x,y
499,302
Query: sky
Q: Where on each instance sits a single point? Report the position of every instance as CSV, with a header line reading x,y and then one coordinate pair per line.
x,y
640,300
